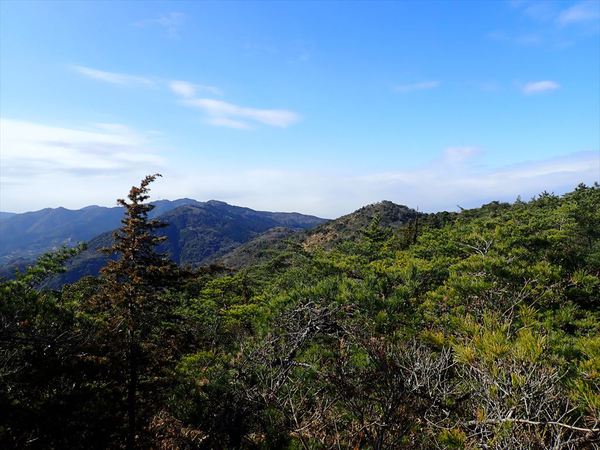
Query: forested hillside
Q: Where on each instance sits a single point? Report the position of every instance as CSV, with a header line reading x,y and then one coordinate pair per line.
x,y
478,329
195,234
27,235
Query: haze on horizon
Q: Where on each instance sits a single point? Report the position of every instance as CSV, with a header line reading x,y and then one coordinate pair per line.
x,y
315,107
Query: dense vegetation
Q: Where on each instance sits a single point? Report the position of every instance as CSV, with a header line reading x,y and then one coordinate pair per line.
x,y
478,329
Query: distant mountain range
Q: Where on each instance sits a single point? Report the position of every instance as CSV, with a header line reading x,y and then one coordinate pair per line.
x,y
197,233
25,236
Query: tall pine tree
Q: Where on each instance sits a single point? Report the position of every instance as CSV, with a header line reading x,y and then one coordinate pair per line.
x,y
131,292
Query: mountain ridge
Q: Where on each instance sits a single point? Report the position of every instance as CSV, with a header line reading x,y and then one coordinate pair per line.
x,y
24,236
196,234
215,232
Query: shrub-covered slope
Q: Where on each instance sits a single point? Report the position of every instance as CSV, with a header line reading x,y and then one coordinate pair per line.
x,y
479,329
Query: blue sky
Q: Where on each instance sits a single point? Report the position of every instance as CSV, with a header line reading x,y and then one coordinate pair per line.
x,y
319,107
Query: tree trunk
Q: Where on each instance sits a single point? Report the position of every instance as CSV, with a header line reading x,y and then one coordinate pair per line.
x,y
132,393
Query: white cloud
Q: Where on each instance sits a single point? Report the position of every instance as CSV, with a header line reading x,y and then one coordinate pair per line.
x,y
586,11
181,88
221,113
454,155
541,11
557,27
114,77
104,146
420,86
44,165
226,122
218,112
189,90
170,22
455,178
537,87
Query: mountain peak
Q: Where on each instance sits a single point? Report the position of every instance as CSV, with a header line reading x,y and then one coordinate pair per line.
x,y
349,226
217,203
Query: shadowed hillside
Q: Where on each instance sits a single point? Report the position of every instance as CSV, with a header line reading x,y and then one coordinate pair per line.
x,y
196,234
25,236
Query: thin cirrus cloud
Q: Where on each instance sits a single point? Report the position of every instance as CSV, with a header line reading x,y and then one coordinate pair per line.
x,y
83,164
522,39
551,12
220,121
220,113
539,10
189,90
583,12
539,87
224,114
48,148
170,22
557,26
411,87
457,155
113,77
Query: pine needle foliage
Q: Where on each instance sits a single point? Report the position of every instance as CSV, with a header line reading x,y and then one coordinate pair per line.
x,y
131,292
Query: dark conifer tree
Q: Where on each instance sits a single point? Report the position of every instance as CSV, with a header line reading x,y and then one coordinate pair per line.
x,y
132,287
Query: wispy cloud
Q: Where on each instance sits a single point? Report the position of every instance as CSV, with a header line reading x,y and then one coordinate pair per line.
x,y
538,87
456,155
420,86
45,165
583,12
221,113
540,11
218,113
114,77
555,26
170,22
46,148
229,123
97,164
189,90
522,39
553,13
179,87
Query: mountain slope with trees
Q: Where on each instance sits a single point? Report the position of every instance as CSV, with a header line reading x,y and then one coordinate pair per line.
x,y
195,234
478,329
27,235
